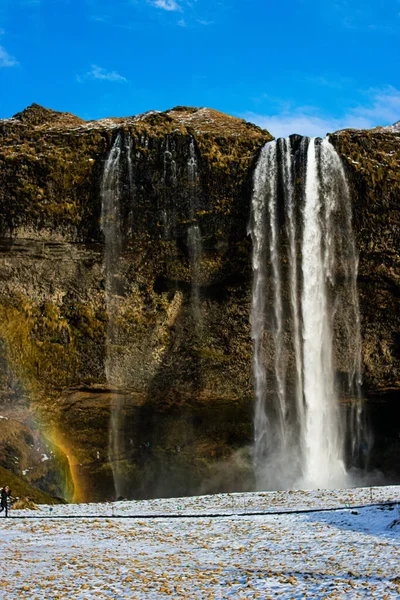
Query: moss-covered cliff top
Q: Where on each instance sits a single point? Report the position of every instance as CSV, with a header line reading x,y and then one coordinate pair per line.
x,y
179,119
374,152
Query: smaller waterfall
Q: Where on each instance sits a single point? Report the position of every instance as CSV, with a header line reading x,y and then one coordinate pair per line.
x,y
169,174
111,228
192,164
168,213
129,153
194,238
195,250
303,244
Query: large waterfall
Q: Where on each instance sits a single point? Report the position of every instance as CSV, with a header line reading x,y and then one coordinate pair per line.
x,y
305,318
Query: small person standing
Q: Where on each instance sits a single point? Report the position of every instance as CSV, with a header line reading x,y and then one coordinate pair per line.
x,y
5,496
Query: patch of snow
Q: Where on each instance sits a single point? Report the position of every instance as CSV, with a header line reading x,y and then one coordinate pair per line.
x,y
351,553
143,116
395,128
44,458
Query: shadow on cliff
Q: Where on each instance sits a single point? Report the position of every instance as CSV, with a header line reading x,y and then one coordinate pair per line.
x,y
194,430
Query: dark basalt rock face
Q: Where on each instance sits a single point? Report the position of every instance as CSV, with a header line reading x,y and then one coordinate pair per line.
x,y
372,160
188,394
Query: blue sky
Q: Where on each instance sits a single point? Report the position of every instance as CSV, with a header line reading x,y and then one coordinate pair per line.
x,y
304,66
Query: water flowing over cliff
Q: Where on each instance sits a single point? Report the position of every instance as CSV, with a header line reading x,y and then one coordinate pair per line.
x,y
305,267
126,349
111,228
117,188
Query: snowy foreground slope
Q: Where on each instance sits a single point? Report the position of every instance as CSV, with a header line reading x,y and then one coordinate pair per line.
x,y
120,551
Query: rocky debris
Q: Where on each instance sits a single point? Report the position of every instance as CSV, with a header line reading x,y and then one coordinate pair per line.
x,y
24,504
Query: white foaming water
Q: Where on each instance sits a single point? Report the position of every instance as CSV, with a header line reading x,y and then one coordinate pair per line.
x,y
291,233
264,178
277,285
323,462
348,316
299,433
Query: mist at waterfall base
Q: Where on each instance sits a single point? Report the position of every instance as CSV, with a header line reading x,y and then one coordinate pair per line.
x,y
309,424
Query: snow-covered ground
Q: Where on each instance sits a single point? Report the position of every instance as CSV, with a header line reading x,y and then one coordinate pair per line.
x,y
66,553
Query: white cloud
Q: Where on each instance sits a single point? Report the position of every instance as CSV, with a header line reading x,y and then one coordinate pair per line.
x,y
6,60
284,124
101,74
382,108
169,5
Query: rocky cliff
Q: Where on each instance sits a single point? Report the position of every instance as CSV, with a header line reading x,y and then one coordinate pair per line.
x,y
169,350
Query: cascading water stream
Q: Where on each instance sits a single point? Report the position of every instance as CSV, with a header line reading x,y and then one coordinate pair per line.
x,y
347,309
303,242
291,233
262,183
194,238
111,228
169,180
323,461
277,293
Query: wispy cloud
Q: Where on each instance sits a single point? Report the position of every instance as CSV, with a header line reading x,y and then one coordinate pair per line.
x,y
6,60
382,107
169,5
358,15
298,121
335,82
205,22
101,74
182,6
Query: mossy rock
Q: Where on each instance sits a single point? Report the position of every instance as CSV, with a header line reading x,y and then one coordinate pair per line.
x,y
21,489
